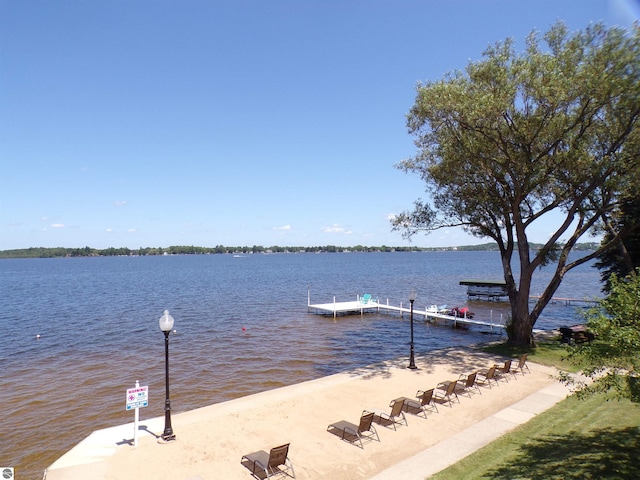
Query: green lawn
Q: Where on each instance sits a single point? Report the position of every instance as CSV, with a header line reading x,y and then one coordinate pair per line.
x,y
593,438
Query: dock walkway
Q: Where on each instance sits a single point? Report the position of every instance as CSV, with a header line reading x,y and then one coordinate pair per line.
x,y
374,306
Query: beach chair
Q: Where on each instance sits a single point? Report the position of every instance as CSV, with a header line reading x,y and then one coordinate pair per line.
x,y
522,364
445,392
504,371
422,406
352,433
426,399
265,465
466,384
484,377
366,298
395,417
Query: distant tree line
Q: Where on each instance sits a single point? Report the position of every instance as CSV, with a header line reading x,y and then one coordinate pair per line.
x,y
42,252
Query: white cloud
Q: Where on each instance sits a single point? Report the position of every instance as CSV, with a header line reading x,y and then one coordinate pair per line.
x,y
57,225
335,228
284,228
120,203
108,230
131,230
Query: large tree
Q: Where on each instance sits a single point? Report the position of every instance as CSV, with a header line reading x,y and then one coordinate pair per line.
x,y
520,140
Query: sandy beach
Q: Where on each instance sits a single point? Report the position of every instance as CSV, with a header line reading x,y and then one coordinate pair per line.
x,y
211,440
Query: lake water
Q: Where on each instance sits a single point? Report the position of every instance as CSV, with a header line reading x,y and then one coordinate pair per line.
x,y
241,324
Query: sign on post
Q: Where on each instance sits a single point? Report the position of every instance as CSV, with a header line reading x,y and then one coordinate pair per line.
x,y
137,397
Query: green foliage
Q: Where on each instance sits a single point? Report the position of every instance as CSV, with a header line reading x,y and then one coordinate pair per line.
x,y
612,362
623,254
518,137
36,252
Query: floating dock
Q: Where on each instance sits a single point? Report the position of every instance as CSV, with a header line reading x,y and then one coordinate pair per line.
x,y
362,306
337,308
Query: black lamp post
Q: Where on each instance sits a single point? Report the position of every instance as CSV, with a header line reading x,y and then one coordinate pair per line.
x,y
412,298
166,324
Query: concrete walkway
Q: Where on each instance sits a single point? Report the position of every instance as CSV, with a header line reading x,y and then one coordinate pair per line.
x,y
455,448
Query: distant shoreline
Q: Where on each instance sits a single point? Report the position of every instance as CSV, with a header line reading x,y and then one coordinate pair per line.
x,y
64,252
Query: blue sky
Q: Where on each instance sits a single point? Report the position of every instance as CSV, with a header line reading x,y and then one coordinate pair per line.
x,y
155,123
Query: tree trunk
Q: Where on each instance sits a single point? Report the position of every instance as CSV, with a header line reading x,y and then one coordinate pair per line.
x,y
521,328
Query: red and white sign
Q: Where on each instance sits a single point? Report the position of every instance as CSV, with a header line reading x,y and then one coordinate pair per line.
x,y
137,397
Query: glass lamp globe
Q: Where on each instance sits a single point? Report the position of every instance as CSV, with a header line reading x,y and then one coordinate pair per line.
x,y
166,321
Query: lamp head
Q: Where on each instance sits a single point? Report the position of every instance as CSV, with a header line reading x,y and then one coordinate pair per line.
x,y
166,321
412,295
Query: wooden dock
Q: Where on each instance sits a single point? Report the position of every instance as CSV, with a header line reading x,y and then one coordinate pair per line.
x,y
569,301
374,306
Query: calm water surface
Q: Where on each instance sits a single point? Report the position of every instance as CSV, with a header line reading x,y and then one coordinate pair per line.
x,y
242,327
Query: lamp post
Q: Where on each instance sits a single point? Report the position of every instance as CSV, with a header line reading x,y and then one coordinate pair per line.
x,y
166,324
412,298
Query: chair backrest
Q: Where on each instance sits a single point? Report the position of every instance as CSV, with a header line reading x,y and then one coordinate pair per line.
x,y
365,422
471,379
451,388
396,409
425,398
522,361
507,367
492,372
278,455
